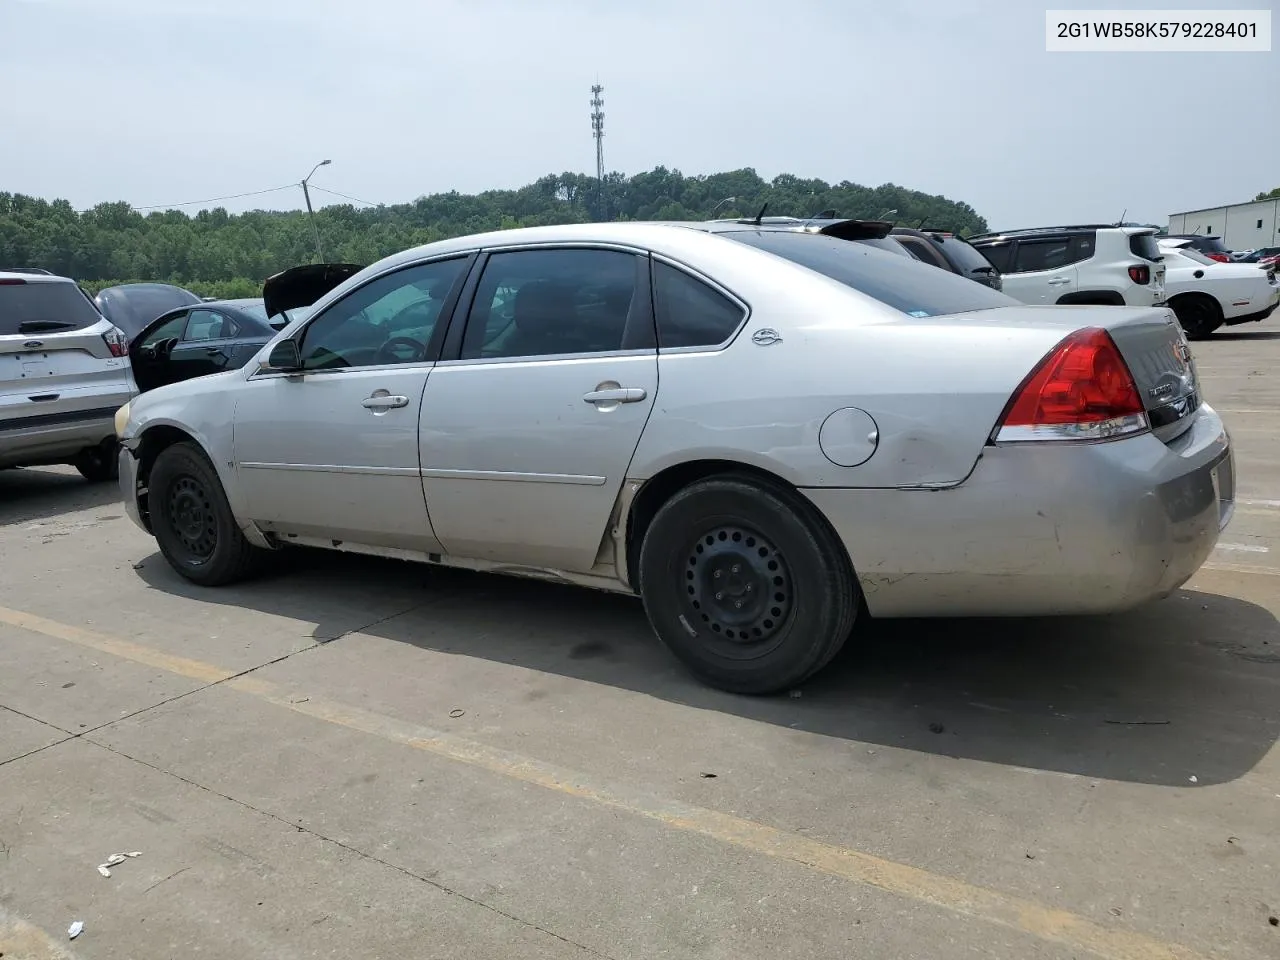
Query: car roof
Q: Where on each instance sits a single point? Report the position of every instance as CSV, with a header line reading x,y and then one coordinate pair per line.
x,y
33,277
1069,228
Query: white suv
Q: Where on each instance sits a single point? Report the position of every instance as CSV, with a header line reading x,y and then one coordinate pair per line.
x,y
64,372
1087,264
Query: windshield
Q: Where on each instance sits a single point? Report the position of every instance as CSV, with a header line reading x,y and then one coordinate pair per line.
x,y
31,308
916,289
965,256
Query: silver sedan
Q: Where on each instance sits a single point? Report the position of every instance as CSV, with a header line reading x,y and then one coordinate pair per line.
x,y
768,435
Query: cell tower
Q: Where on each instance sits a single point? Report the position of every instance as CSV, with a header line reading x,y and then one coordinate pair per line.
x,y
597,129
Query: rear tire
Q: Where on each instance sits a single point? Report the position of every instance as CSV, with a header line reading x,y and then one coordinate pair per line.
x,y
98,464
746,585
192,519
1199,315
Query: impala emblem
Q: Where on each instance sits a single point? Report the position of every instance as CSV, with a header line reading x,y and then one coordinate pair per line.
x,y
766,336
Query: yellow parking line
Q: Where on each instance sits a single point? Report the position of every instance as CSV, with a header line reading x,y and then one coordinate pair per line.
x,y
1015,913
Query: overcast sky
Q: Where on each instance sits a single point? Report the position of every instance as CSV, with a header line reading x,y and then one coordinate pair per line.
x,y
165,101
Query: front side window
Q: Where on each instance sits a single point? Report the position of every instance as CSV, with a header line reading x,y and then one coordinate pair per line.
x,y
170,329
539,303
208,325
392,319
690,313
915,289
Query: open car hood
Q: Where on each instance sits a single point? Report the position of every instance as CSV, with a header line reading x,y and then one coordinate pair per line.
x,y
302,286
851,229
132,306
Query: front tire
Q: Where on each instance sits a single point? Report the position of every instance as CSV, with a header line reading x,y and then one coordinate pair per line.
x,y
192,519
746,585
98,464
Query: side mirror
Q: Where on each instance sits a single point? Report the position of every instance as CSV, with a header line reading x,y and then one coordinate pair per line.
x,y
284,357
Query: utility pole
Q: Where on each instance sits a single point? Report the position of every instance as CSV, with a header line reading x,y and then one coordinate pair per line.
x,y
597,131
311,214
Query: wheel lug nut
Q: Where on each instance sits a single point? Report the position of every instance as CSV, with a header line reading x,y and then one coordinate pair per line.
x,y
736,568
716,574
719,596
747,588
737,603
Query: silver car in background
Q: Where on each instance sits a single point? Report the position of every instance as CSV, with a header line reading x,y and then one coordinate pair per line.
x,y
766,434
64,371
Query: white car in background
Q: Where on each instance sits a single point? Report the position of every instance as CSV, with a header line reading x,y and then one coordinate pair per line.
x,y
1206,294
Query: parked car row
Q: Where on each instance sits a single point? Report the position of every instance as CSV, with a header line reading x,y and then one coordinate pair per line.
x,y
68,363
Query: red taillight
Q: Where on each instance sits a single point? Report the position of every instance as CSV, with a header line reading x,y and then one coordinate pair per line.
x,y
10,281
1082,390
117,342
1140,274
1220,257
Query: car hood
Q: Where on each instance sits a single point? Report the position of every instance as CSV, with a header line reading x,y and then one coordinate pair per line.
x,y
302,286
132,306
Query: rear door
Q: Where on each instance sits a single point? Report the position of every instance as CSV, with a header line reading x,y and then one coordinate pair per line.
x,y
527,435
1042,270
54,358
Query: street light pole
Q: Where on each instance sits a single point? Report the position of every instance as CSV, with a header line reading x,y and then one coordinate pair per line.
x,y
311,214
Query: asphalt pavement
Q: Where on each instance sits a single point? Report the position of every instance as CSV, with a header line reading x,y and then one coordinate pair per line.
x,y
356,758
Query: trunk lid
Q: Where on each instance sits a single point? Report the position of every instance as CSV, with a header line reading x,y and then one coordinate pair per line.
x,y
1159,357
302,286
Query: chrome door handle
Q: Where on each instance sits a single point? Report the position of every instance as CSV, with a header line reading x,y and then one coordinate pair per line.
x,y
618,395
1059,281
384,403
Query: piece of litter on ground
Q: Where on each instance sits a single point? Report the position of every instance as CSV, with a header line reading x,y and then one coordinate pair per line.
x,y
1193,779
456,713
707,776
115,860
75,930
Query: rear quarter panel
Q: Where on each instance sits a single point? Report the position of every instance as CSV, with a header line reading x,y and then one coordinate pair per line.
x,y
934,387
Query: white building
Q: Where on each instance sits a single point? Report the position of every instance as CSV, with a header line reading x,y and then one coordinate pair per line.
x,y
1242,226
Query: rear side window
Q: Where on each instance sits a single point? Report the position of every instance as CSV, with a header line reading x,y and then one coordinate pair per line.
x,y
915,289
32,308
1144,245
922,251
1033,255
690,313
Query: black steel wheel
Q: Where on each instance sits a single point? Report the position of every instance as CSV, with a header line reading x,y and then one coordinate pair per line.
x,y
747,584
192,520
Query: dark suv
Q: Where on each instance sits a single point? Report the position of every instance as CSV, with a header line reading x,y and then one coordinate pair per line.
x,y
944,249
1211,247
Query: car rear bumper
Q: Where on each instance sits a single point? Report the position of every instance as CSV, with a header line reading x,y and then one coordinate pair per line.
x,y
1041,530
54,438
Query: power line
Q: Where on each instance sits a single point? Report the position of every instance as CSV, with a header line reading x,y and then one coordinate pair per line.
x,y
335,193
232,196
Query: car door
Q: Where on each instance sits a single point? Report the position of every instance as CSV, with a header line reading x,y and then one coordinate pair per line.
x,y
528,433
1043,270
331,449
206,345
149,351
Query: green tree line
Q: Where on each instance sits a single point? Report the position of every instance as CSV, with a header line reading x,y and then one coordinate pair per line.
x,y
215,253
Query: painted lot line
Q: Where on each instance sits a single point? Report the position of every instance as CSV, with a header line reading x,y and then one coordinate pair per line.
x,y
1015,913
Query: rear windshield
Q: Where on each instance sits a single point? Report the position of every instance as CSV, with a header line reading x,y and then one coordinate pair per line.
x,y
1191,253
1144,245
255,310
885,244
964,256
915,289
1211,244
27,309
